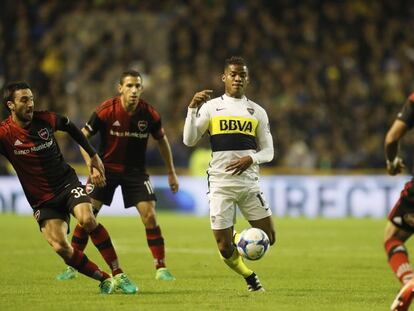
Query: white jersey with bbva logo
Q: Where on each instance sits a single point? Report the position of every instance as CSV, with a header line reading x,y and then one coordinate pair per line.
x,y
237,127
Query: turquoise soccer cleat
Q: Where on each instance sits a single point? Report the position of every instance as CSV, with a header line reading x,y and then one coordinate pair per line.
x,y
107,286
123,283
68,274
164,275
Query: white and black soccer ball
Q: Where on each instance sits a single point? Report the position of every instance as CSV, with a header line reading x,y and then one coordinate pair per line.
x,y
253,243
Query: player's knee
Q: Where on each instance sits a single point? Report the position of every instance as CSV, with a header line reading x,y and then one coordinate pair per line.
x,y
226,250
88,222
149,220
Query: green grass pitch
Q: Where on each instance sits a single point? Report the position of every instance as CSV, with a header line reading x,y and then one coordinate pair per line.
x,y
317,264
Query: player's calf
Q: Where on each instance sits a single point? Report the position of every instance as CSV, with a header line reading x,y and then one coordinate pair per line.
x,y
398,259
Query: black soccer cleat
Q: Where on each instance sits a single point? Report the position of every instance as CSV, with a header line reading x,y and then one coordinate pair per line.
x,y
253,283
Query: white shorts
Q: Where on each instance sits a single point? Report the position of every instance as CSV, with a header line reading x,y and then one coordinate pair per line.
x,y
225,200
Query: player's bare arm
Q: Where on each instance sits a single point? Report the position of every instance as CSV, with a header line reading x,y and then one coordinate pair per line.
x,y
391,145
166,154
238,166
200,98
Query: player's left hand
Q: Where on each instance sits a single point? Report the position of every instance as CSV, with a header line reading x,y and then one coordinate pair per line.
x,y
238,166
97,178
173,182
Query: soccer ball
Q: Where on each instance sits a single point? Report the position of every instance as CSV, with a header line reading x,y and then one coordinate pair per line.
x,y
253,243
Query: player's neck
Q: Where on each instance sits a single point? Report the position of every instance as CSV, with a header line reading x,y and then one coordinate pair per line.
x,y
20,123
129,108
235,96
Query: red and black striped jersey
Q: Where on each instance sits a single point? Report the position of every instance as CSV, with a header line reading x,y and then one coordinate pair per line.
x,y
124,137
36,157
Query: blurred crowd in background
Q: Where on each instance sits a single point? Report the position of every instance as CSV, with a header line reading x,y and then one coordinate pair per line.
x,y
332,75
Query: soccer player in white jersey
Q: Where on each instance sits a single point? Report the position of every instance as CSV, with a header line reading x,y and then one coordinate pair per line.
x,y
240,140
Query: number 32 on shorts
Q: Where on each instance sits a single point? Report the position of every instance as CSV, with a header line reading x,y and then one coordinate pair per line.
x,y
78,192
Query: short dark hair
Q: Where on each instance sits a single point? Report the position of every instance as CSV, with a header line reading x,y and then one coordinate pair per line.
x,y
11,89
129,73
234,60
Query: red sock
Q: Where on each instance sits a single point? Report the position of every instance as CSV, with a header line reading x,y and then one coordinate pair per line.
x,y
103,243
398,260
156,245
80,238
80,262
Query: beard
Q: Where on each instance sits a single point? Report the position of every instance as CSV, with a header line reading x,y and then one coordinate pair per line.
x,y
24,117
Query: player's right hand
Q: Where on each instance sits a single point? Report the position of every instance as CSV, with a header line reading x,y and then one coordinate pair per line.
x,y
200,98
395,166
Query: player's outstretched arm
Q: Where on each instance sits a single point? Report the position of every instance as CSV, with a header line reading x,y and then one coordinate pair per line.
x,y
95,166
391,145
88,152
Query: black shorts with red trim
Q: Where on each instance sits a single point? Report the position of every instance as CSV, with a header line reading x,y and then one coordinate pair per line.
x,y
62,205
135,185
404,208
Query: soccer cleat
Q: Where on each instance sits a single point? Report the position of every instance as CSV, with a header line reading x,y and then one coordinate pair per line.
x,y
107,286
68,274
403,300
123,283
253,283
164,275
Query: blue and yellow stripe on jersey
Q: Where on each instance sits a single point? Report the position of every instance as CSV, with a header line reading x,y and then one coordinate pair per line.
x,y
232,133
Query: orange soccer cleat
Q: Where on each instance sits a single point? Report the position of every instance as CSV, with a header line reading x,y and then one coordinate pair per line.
x,y
403,300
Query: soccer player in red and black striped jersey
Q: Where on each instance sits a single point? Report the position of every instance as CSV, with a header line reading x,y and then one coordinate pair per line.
x,y
125,123
400,224
51,186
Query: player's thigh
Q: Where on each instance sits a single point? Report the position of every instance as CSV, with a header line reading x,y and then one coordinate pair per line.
x,y
54,231
54,209
79,203
83,212
253,205
96,206
222,202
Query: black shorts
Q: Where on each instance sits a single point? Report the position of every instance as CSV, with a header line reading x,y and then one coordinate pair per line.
x,y
404,208
135,185
62,205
